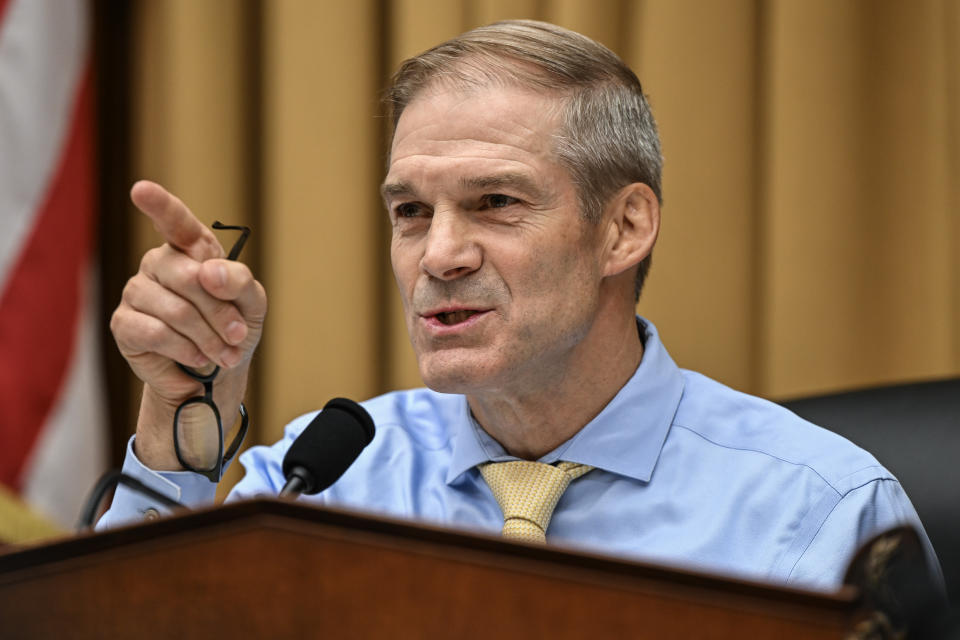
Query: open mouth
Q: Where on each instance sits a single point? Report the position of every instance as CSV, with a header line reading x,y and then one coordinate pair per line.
x,y
455,317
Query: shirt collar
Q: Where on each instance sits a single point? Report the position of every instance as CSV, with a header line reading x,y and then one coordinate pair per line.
x,y
626,436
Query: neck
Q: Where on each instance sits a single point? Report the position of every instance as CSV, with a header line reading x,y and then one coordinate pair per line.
x,y
532,422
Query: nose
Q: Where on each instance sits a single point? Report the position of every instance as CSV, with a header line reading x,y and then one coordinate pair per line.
x,y
450,252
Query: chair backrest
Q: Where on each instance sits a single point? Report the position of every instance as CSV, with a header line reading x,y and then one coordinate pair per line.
x,y
914,431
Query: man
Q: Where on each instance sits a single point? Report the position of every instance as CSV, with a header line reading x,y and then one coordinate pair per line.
x,y
524,193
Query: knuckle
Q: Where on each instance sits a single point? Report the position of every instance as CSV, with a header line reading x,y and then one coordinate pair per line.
x,y
116,322
131,291
180,311
123,325
150,259
184,273
153,334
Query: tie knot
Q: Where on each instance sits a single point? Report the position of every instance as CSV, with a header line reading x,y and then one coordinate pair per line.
x,y
528,492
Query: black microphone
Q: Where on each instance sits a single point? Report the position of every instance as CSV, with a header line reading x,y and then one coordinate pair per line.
x,y
326,448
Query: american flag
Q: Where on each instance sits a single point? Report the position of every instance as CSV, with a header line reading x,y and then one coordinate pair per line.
x,y
52,420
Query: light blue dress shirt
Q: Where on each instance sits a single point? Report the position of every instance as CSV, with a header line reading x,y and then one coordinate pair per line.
x,y
687,473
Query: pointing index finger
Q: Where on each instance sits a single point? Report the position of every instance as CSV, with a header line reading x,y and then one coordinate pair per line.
x,y
179,227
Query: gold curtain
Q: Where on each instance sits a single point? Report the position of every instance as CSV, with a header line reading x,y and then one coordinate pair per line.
x,y
810,242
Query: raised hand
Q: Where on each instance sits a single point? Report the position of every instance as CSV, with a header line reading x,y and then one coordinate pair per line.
x,y
186,304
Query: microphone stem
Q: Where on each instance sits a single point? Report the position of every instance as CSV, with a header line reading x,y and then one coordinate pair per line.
x,y
294,486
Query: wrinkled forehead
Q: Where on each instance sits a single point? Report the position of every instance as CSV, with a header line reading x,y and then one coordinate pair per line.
x,y
480,118
495,113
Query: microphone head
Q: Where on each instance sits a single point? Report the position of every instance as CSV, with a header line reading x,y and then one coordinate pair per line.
x,y
329,444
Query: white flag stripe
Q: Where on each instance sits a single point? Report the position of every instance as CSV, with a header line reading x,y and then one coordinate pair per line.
x,y
43,51
71,450
44,58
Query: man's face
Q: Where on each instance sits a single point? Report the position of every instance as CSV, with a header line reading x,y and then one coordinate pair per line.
x,y
498,273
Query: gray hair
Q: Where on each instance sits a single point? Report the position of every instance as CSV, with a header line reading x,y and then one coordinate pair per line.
x,y
608,138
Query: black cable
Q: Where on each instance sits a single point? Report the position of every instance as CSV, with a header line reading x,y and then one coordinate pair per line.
x,y
108,481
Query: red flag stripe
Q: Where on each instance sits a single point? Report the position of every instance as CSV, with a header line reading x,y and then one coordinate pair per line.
x,y
3,9
40,306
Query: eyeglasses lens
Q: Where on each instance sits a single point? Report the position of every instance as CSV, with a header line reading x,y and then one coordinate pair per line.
x,y
198,436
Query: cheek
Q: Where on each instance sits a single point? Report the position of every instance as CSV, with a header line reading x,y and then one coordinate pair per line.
x,y
553,294
554,275
405,266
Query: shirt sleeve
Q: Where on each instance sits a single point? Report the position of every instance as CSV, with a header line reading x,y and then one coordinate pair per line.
x,y
264,476
189,489
860,514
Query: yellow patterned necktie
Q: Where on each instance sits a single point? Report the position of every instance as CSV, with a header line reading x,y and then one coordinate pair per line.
x,y
528,492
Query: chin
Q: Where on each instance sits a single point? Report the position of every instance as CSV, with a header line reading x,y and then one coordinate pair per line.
x,y
448,381
454,375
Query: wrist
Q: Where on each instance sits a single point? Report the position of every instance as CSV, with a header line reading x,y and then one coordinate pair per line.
x,y
153,444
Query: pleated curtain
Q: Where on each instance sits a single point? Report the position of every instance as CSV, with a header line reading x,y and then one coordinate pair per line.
x,y
810,238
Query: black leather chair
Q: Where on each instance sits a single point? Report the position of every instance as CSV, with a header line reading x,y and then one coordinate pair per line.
x,y
914,431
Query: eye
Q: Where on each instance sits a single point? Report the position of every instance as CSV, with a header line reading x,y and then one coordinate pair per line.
x,y
408,210
498,201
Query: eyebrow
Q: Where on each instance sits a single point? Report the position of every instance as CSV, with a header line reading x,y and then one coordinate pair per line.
x,y
392,189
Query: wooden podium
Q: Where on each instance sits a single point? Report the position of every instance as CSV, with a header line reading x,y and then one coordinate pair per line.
x,y
273,569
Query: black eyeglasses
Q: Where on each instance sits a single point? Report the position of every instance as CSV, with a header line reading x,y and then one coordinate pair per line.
x,y
198,447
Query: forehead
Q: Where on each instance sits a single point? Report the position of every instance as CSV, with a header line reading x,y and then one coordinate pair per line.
x,y
496,128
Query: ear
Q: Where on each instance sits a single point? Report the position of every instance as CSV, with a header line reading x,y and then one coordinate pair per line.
x,y
633,219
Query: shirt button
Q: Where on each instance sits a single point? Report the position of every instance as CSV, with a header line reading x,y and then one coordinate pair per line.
x,y
151,514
